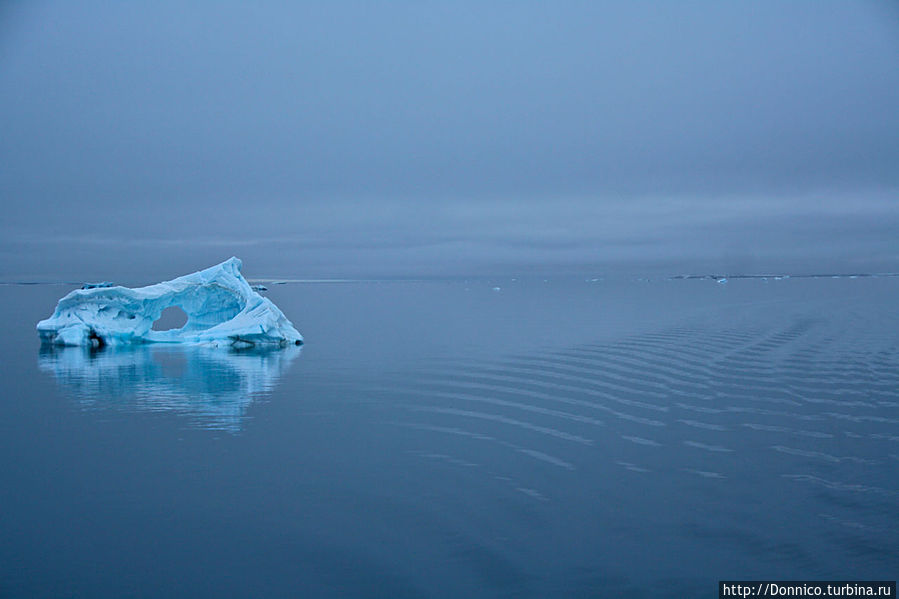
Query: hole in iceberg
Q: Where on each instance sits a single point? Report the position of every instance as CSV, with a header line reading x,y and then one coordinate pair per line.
x,y
172,317
96,340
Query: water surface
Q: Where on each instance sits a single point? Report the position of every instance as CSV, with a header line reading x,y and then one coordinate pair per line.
x,y
495,438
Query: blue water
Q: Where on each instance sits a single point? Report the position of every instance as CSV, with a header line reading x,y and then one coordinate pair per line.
x,y
480,438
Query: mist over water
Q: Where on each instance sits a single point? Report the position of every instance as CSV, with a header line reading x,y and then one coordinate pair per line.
x,y
639,237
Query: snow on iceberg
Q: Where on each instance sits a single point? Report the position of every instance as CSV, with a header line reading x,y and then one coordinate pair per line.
x,y
222,310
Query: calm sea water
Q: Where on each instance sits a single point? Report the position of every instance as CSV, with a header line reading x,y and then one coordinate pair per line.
x,y
483,438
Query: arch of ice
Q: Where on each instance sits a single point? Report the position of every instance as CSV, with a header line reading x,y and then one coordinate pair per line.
x,y
221,307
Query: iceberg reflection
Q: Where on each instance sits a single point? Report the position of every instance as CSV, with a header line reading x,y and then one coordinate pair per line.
x,y
214,387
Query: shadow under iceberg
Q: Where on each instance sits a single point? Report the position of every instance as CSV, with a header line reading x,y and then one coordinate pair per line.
x,y
213,387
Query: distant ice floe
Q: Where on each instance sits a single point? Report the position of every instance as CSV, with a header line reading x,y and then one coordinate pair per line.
x,y
781,277
222,310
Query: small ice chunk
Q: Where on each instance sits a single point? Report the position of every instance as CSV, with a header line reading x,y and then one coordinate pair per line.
x,y
221,308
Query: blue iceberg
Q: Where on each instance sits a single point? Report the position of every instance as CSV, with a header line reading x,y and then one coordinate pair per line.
x,y
222,310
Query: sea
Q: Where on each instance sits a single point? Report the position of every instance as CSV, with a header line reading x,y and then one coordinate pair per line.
x,y
487,437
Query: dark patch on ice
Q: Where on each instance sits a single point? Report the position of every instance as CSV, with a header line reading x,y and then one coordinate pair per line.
x,y
98,285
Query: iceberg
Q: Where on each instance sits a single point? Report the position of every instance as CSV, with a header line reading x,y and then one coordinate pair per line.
x,y
222,310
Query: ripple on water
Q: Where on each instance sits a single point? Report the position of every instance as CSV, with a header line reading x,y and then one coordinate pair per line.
x,y
689,409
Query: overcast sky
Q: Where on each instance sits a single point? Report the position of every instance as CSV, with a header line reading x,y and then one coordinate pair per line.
x,y
391,138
